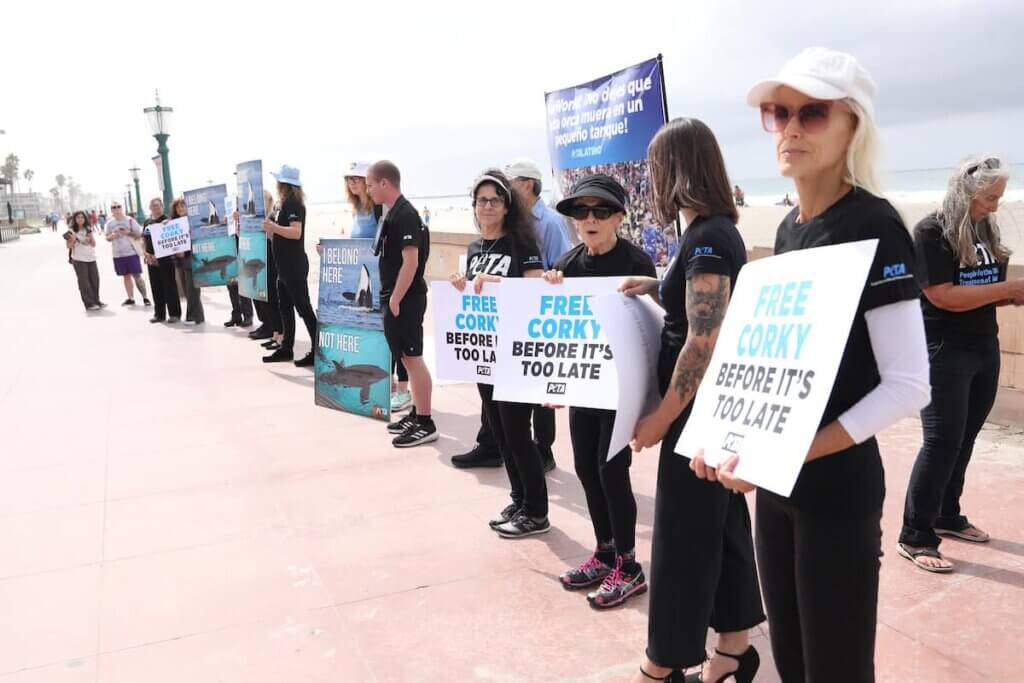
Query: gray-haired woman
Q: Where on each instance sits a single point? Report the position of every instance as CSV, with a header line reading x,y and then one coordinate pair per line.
x,y
961,267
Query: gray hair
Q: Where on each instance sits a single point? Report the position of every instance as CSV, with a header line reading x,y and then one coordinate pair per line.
x,y
972,175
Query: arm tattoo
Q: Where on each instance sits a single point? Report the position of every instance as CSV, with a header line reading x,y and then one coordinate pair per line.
x,y
707,297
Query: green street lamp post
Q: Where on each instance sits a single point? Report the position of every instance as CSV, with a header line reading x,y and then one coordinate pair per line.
x,y
159,118
128,208
140,215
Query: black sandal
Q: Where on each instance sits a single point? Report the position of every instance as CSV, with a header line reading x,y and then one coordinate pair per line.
x,y
749,661
668,678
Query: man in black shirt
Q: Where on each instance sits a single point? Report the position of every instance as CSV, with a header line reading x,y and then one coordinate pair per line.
x,y
166,304
403,246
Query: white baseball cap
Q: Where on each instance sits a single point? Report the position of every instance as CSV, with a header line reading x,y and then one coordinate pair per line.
x,y
357,169
822,74
523,168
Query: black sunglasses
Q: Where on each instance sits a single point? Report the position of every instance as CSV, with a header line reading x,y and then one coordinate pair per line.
x,y
115,206
600,212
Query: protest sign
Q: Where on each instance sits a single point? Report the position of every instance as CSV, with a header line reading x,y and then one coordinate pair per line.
x,y
353,362
551,347
252,241
170,238
605,126
465,331
214,254
775,361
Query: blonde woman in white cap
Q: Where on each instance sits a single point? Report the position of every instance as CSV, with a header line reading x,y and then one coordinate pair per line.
x,y
818,550
365,213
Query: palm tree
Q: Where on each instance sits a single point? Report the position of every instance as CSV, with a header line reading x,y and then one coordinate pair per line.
x,y
29,174
10,168
55,193
60,188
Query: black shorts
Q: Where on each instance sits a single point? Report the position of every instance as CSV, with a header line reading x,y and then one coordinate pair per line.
x,y
405,333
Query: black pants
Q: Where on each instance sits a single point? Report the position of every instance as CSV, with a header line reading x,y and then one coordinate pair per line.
x,y
165,289
292,297
269,311
606,484
511,428
965,379
543,431
88,276
193,298
820,578
703,572
241,307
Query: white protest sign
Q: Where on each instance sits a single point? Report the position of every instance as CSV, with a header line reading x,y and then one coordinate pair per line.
x,y
776,360
465,331
551,347
633,326
172,237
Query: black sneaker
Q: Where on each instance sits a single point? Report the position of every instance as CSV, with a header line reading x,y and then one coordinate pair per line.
x,y
590,573
231,323
522,525
246,322
154,319
399,426
271,345
306,361
146,302
417,433
477,457
174,319
128,302
618,587
279,356
261,332
509,513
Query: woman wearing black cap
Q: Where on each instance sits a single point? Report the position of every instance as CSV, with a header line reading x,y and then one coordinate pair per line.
x,y
508,248
818,550
597,206
702,557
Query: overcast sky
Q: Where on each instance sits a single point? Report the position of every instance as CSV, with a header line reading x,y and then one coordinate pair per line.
x,y
447,88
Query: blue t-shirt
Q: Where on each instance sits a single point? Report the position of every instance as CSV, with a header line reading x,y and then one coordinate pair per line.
x,y
365,225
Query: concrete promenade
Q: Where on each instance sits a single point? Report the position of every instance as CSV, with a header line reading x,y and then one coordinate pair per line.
x,y
172,510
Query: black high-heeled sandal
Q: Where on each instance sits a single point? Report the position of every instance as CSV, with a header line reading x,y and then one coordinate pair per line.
x,y
749,661
671,677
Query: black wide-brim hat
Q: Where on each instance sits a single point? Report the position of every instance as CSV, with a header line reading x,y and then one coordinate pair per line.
x,y
599,186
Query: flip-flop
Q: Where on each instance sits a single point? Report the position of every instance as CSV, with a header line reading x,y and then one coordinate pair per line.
x,y
983,538
912,555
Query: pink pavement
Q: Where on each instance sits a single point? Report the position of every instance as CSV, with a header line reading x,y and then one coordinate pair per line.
x,y
173,510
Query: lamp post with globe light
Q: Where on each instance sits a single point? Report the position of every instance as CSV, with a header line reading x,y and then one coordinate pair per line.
x,y
140,215
159,118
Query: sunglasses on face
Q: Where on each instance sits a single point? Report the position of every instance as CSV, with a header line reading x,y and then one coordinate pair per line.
x,y
813,116
581,211
115,206
488,201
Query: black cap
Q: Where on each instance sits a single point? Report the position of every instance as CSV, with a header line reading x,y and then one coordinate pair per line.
x,y
598,185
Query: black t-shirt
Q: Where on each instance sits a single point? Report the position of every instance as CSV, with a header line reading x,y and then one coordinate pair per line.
x,y
402,228
503,257
149,238
710,244
625,258
289,254
936,265
852,482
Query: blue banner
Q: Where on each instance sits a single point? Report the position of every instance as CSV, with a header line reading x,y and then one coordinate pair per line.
x,y
353,361
214,252
604,126
252,241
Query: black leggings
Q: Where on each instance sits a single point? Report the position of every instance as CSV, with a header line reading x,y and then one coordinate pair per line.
x,y
398,369
820,578
702,562
606,483
165,289
964,384
510,424
293,296
269,311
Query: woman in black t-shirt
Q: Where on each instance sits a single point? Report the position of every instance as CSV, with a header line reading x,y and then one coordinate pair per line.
x,y
288,234
597,206
818,551
508,248
961,267
702,556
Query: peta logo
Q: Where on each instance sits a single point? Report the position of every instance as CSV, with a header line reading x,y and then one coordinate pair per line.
x,y
895,270
483,370
703,251
732,442
556,388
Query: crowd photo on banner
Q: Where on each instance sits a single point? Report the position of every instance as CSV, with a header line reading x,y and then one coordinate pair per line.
x,y
630,304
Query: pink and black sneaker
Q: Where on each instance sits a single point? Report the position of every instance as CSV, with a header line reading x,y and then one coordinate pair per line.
x,y
586,575
621,584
